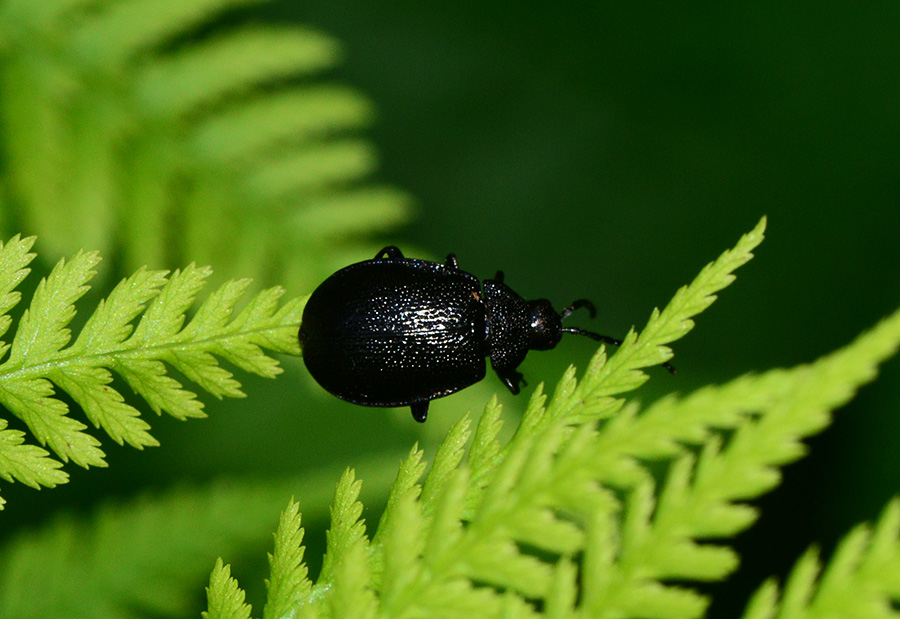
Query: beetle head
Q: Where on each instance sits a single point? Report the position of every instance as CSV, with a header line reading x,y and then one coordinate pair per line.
x,y
546,325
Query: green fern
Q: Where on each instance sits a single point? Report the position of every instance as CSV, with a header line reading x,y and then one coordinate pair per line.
x,y
229,601
861,580
568,519
40,356
150,555
150,132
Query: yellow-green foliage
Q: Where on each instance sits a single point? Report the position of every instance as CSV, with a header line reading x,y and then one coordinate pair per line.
x,y
161,133
139,332
136,125
566,519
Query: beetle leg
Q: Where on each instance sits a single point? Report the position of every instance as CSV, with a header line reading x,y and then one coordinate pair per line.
x,y
419,410
452,263
391,252
512,380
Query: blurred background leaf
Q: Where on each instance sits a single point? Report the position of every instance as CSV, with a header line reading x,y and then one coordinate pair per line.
x,y
167,132
525,134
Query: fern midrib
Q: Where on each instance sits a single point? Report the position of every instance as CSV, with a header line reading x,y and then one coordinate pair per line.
x,y
111,354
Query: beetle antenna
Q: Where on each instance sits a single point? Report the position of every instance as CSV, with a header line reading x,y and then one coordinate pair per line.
x,y
576,305
606,340
594,336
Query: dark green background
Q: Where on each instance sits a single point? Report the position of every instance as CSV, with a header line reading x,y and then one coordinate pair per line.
x,y
609,151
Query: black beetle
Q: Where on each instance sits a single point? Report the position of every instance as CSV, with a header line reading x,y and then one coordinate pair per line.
x,y
394,331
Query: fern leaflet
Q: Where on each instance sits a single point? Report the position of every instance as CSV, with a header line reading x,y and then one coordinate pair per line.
x,y
861,580
41,358
226,598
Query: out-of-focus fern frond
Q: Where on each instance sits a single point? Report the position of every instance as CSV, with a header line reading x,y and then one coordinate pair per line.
x,y
568,519
123,124
163,540
138,332
149,556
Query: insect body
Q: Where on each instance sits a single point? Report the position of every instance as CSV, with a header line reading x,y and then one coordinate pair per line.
x,y
394,331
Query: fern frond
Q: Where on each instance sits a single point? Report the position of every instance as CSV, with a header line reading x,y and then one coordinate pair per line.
x,y
347,527
202,74
224,596
566,518
289,583
28,464
594,397
351,595
606,378
702,500
149,556
230,138
41,358
861,580
121,31
666,426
